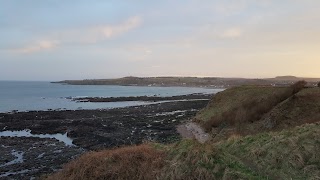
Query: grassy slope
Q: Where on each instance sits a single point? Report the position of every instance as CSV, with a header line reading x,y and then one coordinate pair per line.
x,y
304,107
249,110
235,97
275,155
231,111
283,155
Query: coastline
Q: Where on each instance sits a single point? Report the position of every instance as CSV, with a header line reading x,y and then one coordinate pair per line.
x,y
155,98
90,130
201,82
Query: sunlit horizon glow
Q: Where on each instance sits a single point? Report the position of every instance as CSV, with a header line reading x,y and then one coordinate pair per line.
x,y
57,40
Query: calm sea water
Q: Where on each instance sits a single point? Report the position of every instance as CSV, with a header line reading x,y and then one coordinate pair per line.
x,y
26,96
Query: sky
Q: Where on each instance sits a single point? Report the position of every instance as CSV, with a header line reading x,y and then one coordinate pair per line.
x,y
57,40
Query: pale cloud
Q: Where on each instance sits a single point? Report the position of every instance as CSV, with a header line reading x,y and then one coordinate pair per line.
x,y
99,33
37,46
232,33
88,35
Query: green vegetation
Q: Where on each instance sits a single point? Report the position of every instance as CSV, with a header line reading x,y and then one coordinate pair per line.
x,y
232,99
303,107
290,154
249,110
217,82
170,81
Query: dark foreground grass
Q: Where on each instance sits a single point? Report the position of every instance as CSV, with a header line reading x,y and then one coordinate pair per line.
x,y
135,162
290,154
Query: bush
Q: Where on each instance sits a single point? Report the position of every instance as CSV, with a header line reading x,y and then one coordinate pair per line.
x,y
319,84
134,162
298,86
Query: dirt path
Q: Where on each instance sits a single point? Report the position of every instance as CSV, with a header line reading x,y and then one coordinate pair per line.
x,y
192,130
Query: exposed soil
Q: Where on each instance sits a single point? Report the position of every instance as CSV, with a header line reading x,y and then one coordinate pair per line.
x,y
90,130
192,130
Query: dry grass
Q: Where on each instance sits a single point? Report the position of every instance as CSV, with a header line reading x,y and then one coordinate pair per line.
x,y
234,97
303,107
289,154
189,160
136,162
248,106
236,107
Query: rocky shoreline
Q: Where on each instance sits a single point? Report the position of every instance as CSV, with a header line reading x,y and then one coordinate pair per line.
x,y
89,130
144,98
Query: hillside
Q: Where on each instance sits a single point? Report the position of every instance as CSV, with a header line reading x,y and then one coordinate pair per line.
x,y
303,107
250,110
294,78
212,82
234,98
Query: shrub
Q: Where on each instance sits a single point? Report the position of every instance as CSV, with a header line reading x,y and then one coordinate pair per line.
x,y
298,86
240,119
135,162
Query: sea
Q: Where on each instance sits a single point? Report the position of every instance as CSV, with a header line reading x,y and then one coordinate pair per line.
x,y
35,96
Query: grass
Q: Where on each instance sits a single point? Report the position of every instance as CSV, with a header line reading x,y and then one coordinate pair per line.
x,y
303,107
289,154
134,162
248,102
249,110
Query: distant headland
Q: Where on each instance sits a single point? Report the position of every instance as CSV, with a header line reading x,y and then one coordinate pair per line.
x,y
208,82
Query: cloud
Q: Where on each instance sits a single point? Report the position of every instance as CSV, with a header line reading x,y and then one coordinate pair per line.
x,y
231,33
99,33
87,35
37,46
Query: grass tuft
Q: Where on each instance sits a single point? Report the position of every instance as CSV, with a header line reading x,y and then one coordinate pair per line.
x,y
136,162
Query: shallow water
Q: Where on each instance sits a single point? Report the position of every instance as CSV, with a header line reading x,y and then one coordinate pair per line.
x,y
27,133
27,96
14,173
19,158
